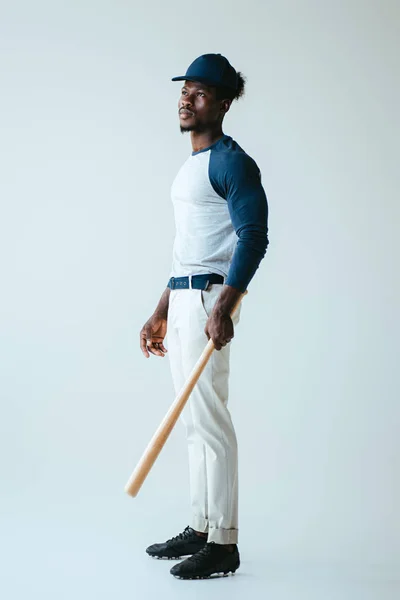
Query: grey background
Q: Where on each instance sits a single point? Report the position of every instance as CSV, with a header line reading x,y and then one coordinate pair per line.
x,y
89,146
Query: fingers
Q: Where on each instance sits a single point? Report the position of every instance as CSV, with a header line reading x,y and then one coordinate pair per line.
x,y
147,344
219,344
152,338
150,346
220,330
156,348
143,343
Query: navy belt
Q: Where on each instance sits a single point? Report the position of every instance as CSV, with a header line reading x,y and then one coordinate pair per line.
x,y
199,282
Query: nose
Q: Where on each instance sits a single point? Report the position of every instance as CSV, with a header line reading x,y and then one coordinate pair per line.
x,y
186,101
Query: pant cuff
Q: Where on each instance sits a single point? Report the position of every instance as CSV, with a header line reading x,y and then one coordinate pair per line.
x,y
200,524
223,536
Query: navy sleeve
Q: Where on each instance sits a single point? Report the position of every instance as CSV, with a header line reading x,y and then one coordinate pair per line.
x,y
236,177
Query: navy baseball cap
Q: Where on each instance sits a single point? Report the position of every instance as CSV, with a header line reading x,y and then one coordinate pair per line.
x,y
211,69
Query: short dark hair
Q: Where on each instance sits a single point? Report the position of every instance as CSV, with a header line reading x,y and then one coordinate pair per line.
x,y
223,92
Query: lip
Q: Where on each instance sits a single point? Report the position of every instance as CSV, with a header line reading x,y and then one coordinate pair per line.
x,y
185,113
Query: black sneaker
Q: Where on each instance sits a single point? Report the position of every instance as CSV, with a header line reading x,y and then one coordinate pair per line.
x,y
187,542
211,560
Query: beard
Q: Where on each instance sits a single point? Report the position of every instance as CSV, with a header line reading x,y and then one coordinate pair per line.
x,y
187,129
197,127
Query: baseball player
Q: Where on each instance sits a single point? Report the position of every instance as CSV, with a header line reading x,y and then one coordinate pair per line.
x,y
221,218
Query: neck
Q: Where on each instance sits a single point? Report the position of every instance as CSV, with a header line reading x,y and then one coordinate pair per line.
x,y
204,139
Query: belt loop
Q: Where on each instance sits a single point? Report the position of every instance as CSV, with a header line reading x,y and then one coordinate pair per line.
x,y
190,282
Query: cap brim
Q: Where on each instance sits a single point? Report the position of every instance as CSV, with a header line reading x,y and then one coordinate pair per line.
x,y
186,78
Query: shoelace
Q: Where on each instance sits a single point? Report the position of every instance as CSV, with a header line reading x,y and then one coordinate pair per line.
x,y
204,552
181,536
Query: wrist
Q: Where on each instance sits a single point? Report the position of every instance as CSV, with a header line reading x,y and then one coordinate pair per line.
x,y
220,311
161,313
226,301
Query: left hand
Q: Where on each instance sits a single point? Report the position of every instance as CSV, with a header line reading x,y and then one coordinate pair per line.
x,y
219,328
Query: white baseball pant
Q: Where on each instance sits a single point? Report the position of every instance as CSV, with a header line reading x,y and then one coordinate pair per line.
x,y
212,444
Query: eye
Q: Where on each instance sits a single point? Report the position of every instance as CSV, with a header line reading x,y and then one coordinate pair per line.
x,y
183,92
200,94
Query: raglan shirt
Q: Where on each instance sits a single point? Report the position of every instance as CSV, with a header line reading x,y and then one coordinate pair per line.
x,y
221,214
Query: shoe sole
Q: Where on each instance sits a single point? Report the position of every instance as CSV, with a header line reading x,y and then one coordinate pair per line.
x,y
170,557
213,575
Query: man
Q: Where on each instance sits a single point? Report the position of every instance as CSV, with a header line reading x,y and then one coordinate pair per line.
x,y
221,217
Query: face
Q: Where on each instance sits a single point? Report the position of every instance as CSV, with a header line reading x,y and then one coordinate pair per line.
x,y
199,110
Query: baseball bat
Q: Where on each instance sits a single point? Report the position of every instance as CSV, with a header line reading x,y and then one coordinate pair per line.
x,y
158,440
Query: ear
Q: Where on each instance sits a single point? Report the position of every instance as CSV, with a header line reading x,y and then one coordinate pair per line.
x,y
225,105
